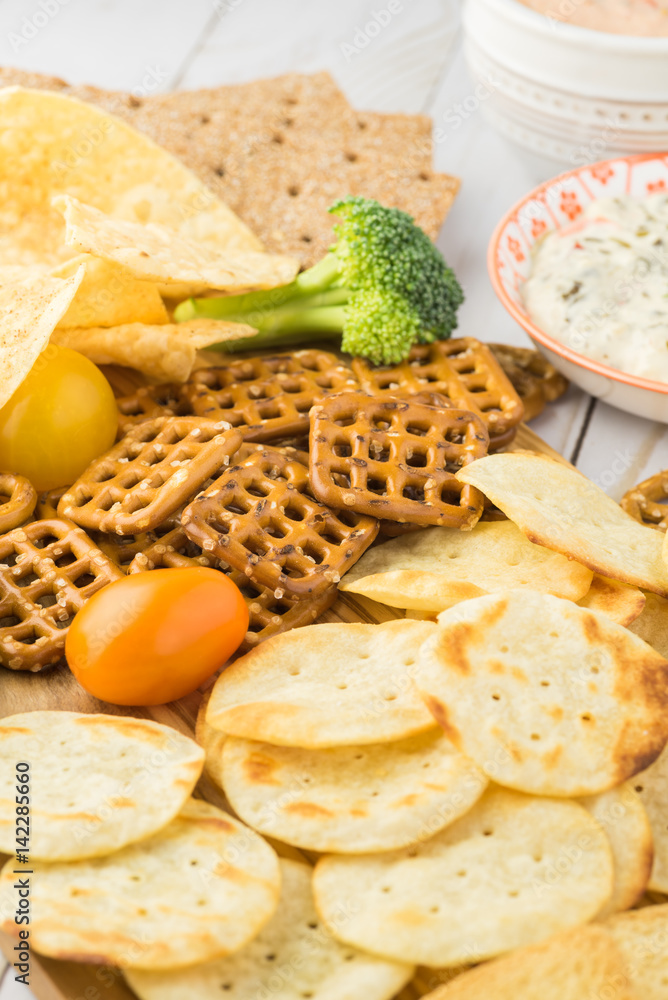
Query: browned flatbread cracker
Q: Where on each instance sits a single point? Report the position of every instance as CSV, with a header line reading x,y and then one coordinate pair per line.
x,y
280,151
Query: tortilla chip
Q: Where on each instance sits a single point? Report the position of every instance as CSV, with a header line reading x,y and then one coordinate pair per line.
x,y
110,295
163,353
156,253
52,144
29,311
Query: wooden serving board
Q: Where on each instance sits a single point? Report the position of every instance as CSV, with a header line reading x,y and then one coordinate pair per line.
x,y
57,689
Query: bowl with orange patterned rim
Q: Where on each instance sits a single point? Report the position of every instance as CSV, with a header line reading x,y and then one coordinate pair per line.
x,y
557,204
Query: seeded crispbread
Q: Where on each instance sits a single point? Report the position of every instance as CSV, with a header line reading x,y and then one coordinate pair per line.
x,y
617,601
436,568
83,811
291,958
624,819
511,872
326,686
351,800
556,506
280,151
575,965
544,696
200,888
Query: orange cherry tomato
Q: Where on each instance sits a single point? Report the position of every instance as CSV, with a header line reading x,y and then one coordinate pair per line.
x,y
154,637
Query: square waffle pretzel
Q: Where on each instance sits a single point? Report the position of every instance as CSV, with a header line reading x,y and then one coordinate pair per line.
x,y
20,502
261,518
464,370
48,570
267,398
151,472
149,401
395,459
268,615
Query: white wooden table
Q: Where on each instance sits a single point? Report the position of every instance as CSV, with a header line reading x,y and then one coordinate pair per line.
x,y
413,64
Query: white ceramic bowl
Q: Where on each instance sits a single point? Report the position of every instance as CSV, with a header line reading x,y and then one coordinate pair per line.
x,y
567,94
555,204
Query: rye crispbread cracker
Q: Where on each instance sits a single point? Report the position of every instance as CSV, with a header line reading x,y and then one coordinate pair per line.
x,y
575,965
351,800
652,787
433,569
556,506
617,601
478,888
326,686
84,811
641,939
624,819
546,697
200,888
280,151
291,958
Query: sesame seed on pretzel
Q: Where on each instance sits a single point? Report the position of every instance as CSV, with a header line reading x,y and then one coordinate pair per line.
x,y
648,501
48,570
18,499
261,518
268,615
152,471
267,397
395,459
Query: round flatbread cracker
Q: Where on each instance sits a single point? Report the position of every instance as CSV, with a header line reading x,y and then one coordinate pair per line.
x,y
513,871
641,939
351,800
617,601
652,787
200,888
544,696
326,686
98,782
292,957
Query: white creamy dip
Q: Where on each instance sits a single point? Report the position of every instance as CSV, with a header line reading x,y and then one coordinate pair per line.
x,y
600,285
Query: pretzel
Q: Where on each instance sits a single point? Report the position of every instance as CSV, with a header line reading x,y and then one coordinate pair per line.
x,y
396,459
150,401
537,381
647,502
48,501
464,370
48,570
261,518
268,615
156,468
18,499
267,398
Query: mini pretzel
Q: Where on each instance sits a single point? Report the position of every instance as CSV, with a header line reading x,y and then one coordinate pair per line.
x,y
48,570
18,499
396,459
267,398
261,518
464,370
47,504
552,382
647,502
268,615
150,401
156,468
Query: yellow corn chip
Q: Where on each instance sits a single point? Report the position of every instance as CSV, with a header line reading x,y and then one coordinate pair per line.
x,y
164,353
156,253
110,295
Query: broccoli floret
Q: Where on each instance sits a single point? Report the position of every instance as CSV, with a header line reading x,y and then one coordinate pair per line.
x,y
382,287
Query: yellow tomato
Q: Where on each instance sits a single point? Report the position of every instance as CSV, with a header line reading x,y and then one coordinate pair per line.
x,y
59,419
